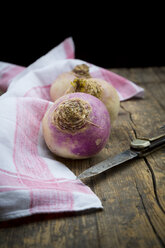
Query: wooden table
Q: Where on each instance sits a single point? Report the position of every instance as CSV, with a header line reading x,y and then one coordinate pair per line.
x,y
133,195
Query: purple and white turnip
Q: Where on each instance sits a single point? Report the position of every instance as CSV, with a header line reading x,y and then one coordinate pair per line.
x,y
76,126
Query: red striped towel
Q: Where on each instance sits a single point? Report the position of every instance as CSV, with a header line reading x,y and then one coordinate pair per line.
x,y
31,180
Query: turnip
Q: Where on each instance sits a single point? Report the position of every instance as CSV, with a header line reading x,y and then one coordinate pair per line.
x,y
63,81
76,126
80,80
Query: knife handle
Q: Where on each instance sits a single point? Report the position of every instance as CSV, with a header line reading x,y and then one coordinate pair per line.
x,y
153,146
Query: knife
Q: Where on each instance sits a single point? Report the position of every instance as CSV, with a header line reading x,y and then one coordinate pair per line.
x,y
139,148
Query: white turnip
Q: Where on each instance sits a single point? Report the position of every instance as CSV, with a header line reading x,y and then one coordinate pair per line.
x,y
80,80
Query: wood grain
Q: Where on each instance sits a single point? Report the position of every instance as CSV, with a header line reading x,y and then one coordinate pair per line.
x,y
133,195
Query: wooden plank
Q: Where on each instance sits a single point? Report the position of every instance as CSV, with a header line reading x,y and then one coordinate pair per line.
x,y
146,124
132,194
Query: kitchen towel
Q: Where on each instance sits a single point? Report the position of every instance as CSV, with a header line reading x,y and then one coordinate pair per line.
x,y
32,181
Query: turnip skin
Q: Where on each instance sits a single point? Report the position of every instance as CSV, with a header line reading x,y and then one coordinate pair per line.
x,y
61,85
87,141
110,98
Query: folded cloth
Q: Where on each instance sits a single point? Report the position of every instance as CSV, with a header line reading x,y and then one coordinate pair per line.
x,y
31,179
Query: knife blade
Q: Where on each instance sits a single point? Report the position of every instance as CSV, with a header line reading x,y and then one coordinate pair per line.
x,y
138,148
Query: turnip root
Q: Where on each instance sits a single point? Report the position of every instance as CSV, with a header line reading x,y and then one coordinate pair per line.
x,y
76,126
79,80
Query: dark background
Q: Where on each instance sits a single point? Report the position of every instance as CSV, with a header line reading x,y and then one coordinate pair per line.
x,y
109,37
